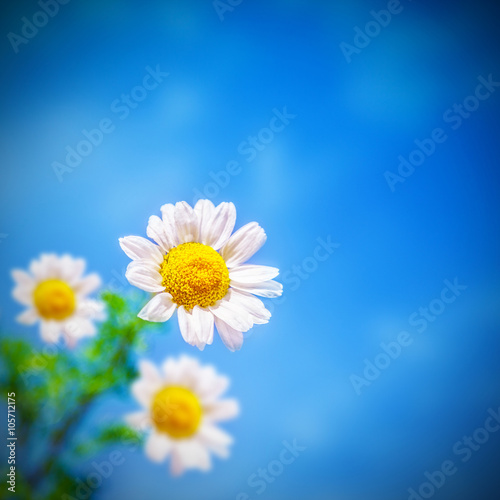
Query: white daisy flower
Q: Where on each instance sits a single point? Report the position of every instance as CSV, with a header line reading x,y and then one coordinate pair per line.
x,y
55,293
181,408
197,267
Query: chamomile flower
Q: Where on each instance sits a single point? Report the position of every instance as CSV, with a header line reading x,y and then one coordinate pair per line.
x,y
181,407
197,267
55,293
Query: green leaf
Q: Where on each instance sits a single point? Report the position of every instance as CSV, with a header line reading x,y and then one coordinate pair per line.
x,y
58,386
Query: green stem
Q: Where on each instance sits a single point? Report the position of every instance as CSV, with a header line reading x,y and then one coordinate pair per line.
x,y
74,419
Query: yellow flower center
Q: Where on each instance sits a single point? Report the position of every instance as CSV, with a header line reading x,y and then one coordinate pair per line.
x,y
54,299
176,411
194,274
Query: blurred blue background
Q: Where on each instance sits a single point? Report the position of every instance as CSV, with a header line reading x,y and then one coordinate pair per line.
x,y
322,176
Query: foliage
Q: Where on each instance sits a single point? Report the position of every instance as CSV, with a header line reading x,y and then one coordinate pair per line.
x,y
56,387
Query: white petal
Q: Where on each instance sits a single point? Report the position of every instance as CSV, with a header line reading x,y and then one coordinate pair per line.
x,y
211,386
76,328
215,439
218,229
187,325
149,372
250,273
28,317
159,231
204,210
78,267
189,454
184,371
49,266
144,275
70,341
92,309
188,372
256,308
170,371
204,325
224,409
168,213
268,289
69,269
137,248
186,222
233,314
41,269
176,464
157,447
168,217
243,244
144,390
62,268
37,270
139,420
159,309
23,294
50,331
88,284
233,339
21,277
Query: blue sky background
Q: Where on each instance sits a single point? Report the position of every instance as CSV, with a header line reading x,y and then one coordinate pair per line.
x,y
322,176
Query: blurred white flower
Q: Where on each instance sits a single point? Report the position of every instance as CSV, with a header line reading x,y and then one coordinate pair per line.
x,y
182,405
196,267
55,293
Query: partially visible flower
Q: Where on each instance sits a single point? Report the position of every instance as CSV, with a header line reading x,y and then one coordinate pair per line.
x,y
181,408
197,268
55,293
